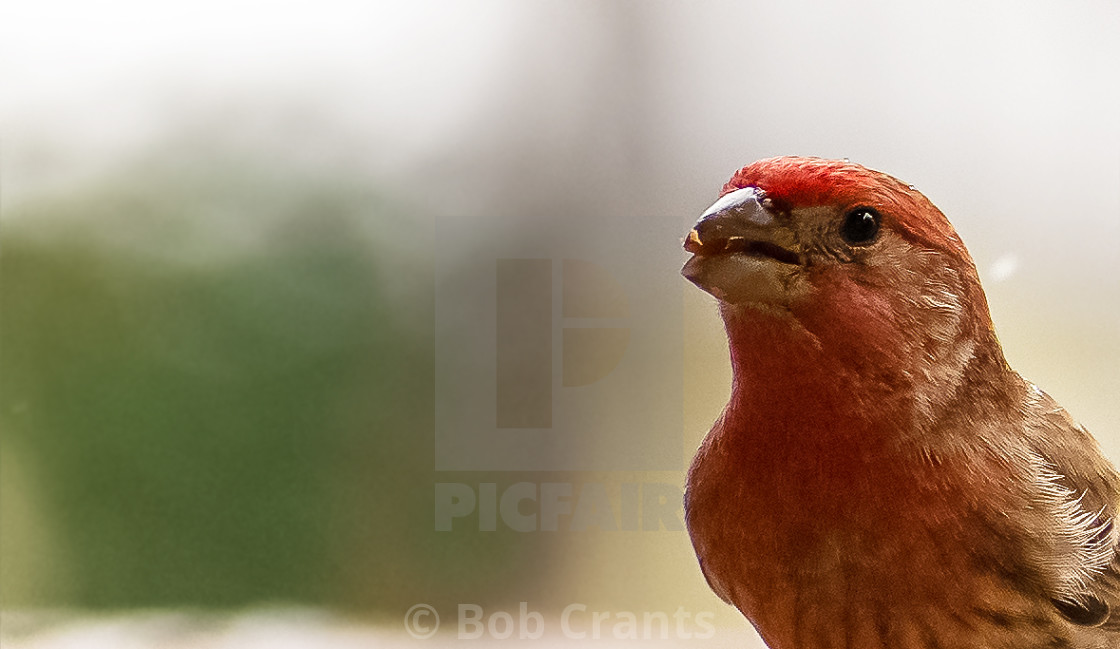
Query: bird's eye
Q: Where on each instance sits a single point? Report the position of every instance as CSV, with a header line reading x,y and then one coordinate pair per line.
x,y
861,226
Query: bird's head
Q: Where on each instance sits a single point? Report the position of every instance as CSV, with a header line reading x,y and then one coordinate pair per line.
x,y
859,262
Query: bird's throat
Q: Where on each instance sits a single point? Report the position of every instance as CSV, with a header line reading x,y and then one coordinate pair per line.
x,y
784,372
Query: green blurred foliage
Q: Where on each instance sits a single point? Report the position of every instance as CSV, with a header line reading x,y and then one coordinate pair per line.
x,y
216,384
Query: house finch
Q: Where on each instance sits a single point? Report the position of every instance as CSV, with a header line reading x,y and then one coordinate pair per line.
x,y
880,476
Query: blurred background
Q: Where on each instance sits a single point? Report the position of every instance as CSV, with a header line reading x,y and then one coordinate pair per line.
x,y
222,230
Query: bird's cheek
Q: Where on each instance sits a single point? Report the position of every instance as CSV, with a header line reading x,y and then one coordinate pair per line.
x,y
848,315
744,279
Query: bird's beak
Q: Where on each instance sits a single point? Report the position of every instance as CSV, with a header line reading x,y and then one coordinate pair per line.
x,y
742,250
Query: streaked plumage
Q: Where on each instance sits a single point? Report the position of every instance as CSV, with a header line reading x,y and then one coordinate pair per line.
x,y
880,476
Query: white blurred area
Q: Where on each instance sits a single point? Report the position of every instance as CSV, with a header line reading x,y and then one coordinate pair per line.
x,y
1005,115
86,85
519,115
301,629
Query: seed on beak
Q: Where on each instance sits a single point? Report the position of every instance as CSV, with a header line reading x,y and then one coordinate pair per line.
x,y
692,243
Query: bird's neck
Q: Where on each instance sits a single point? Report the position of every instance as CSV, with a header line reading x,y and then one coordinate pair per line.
x,y
784,372
838,388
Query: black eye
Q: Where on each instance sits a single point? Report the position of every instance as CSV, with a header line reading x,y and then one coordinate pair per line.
x,y
861,226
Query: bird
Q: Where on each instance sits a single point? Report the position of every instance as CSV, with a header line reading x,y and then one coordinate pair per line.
x,y
880,476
